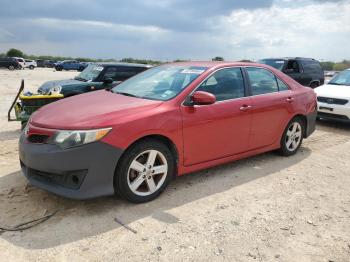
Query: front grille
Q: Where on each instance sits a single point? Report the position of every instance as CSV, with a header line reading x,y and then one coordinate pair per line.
x,y
38,139
334,101
332,116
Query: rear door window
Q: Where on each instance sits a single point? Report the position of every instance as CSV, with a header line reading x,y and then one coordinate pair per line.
x,y
292,67
262,81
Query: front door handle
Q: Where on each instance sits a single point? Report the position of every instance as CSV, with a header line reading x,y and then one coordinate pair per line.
x,y
245,108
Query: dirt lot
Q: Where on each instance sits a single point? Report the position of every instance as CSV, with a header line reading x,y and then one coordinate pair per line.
x,y
266,208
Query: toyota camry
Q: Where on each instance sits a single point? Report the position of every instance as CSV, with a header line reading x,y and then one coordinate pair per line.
x,y
168,121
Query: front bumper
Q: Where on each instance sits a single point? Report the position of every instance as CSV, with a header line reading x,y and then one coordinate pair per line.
x,y
334,112
80,173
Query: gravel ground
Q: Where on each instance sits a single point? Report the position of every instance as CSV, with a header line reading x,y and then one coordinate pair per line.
x,y
265,208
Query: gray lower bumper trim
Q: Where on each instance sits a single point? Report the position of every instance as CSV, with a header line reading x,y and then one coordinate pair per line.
x,y
99,159
311,123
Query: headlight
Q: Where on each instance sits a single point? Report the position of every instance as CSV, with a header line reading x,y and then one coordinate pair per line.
x,y
69,138
55,90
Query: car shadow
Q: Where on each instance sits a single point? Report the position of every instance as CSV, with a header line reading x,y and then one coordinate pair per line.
x,y
20,203
329,125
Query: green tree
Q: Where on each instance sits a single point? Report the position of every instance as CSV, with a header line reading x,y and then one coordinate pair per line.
x,y
218,58
15,52
341,66
328,66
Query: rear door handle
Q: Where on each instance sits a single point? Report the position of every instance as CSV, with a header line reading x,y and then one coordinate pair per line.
x,y
290,99
245,108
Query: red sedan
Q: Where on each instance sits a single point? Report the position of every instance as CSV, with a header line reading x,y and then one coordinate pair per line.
x,y
167,121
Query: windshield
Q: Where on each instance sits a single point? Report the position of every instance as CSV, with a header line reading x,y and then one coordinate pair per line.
x,y
160,83
278,64
342,78
90,73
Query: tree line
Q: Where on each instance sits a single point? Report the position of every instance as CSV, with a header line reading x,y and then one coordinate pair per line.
x,y
327,65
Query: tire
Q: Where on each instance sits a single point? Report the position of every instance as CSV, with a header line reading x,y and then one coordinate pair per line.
x,y
313,85
81,69
11,68
292,137
135,180
58,68
31,67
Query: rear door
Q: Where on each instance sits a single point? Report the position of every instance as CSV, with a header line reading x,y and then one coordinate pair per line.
x,y
222,129
272,103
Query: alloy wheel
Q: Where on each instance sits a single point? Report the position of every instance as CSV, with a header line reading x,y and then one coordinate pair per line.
x,y
293,137
147,172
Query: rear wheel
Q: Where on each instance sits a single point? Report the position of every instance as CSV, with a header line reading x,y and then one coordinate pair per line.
x,y
292,137
11,68
144,171
31,67
58,68
314,85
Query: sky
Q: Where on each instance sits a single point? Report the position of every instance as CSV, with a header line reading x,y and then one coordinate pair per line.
x,y
178,29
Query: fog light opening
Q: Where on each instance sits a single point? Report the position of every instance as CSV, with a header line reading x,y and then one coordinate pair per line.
x,y
75,179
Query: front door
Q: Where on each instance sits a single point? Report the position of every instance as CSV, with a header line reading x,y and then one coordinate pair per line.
x,y
222,129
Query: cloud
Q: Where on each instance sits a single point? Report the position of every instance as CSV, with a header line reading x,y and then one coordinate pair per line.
x,y
170,29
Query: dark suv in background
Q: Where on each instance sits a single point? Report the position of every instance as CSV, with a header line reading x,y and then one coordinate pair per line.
x,y
94,77
10,63
306,71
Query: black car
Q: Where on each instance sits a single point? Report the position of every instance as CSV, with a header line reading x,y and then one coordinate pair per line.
x,y
93,77
306,71
10,63
46,63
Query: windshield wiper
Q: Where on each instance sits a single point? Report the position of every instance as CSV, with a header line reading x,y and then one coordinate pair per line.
x,y
125,94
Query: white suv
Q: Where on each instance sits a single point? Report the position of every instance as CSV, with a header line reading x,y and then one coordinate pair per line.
x,y
31,64
334,98
20,60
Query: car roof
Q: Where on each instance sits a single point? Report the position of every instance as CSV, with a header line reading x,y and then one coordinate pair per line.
x,y
123,64
216,64
286,58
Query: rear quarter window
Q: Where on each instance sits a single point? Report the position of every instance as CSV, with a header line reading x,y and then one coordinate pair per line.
x,y
311,67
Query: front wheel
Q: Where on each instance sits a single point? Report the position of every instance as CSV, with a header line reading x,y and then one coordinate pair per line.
x,y
292,137
144,171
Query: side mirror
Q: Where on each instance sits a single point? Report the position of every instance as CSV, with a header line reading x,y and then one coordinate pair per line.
x,y
202,98
108,80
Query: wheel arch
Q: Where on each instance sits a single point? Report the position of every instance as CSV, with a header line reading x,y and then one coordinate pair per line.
x,y
315,81
304,119
162,138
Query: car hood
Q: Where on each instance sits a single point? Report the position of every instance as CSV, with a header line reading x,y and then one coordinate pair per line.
x,y
46,87
333,91
91,110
